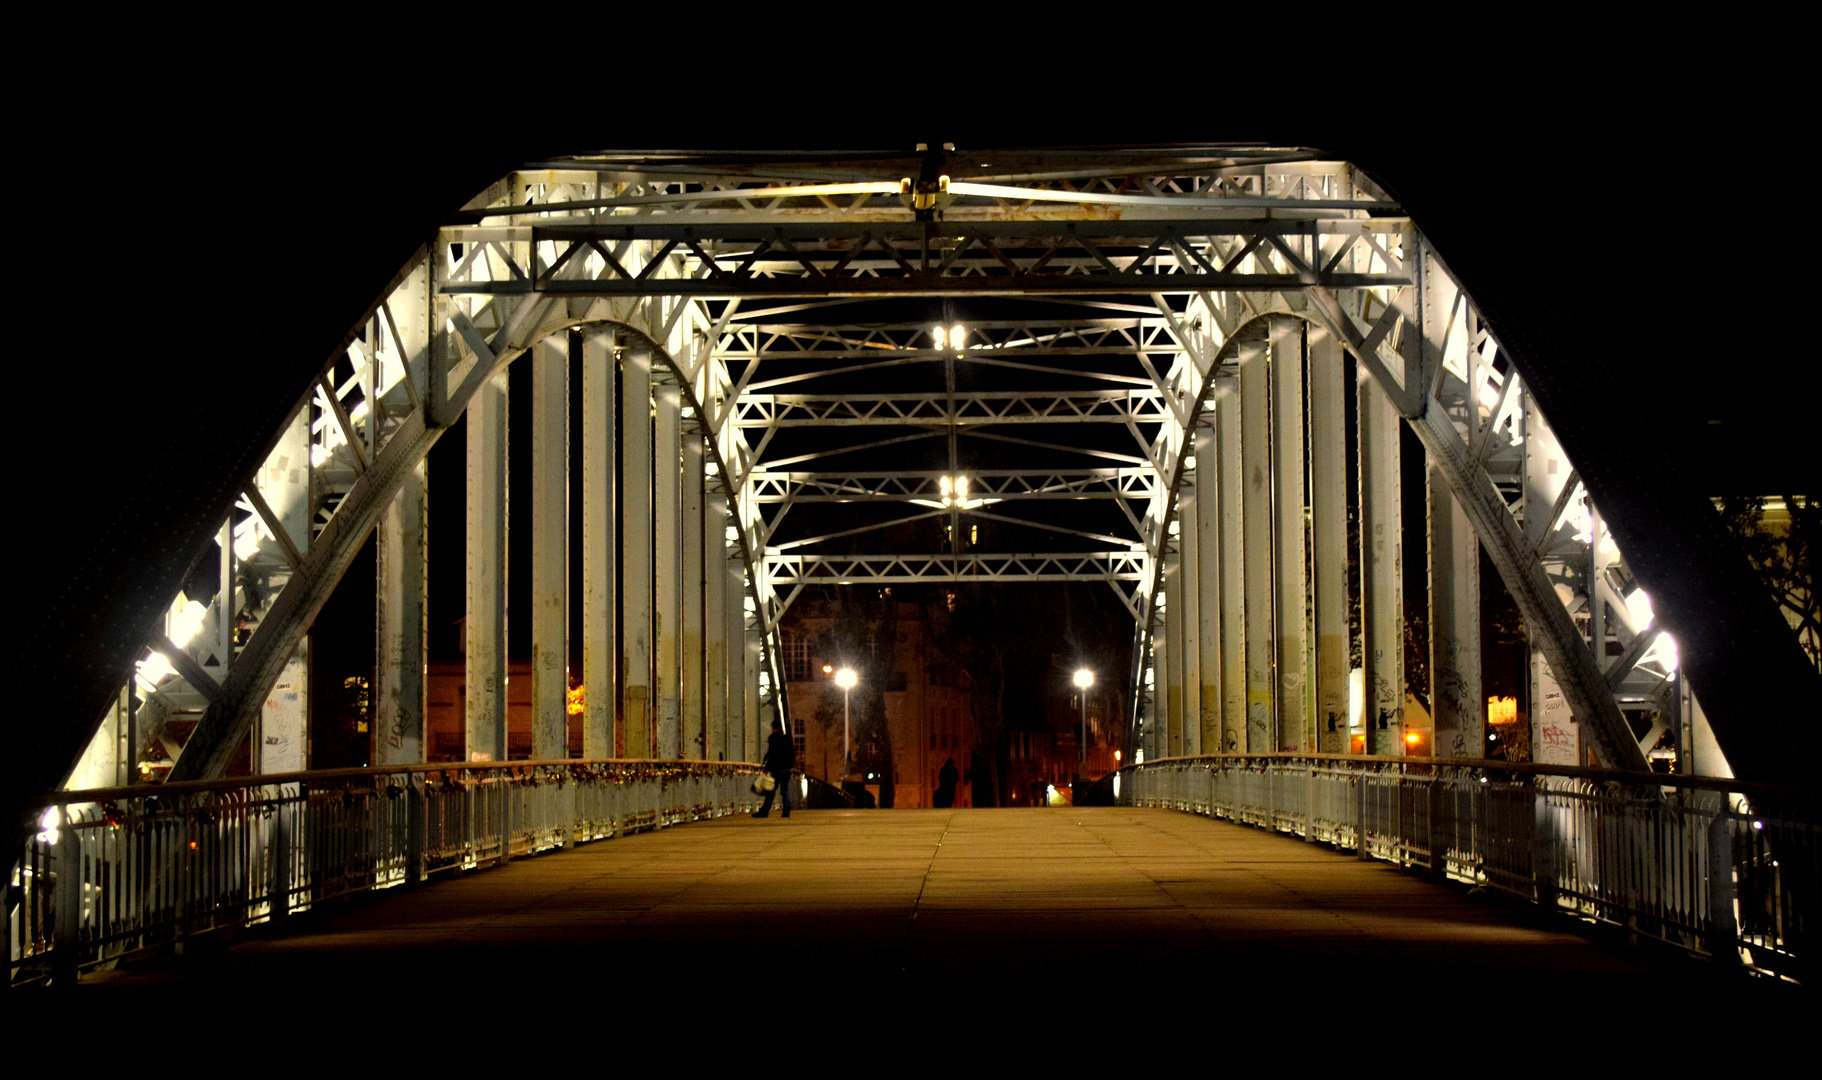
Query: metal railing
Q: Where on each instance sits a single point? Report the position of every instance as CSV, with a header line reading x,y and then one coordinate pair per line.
x,y
1718,867
117,871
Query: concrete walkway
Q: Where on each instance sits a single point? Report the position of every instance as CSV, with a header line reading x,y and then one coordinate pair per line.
x,y
1108,895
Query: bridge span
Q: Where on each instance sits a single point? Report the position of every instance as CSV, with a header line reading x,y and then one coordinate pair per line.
x,y
1043,897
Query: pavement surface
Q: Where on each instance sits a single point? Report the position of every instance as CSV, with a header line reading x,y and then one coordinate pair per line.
x,y
920,898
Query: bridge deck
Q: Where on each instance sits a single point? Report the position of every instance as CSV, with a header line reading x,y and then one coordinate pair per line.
x,y
1100,893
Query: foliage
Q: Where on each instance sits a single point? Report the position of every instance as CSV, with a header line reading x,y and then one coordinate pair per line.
x,y
1783,554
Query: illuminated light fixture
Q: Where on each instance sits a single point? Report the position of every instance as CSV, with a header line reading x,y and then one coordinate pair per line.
x,y
827,668
1085,679
1412,737
49,823
956,336
186,621
846,678
940,336
1189,463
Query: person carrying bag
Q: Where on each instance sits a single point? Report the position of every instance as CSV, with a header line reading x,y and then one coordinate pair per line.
x,y
779,757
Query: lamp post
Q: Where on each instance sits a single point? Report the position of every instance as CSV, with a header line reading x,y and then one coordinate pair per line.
x,y
845,678
1083,680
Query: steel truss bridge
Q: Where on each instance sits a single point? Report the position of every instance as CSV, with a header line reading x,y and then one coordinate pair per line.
x,y
1188,375
1151,389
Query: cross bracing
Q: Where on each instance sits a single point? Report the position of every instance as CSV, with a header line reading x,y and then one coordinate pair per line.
x,y
1195,282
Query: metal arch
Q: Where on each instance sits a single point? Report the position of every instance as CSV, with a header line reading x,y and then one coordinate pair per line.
x,y
235,703
1295,270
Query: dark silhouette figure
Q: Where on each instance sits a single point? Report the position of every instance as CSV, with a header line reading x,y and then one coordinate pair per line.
x,y
779,757
945,784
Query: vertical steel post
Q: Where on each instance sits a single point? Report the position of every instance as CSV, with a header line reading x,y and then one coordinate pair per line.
x,y
600,541
1256,527
740,747
691,640
715,627
667,565
1208,581
1167,701
1327,420
1234,558
486,625
1189,615
402,561
1296,723
1381,564
550,549
1723,929
636,504
281,742
1555,729
1459,707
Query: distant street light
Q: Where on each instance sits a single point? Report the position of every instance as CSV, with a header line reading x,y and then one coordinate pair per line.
x,y
846,679
1083,680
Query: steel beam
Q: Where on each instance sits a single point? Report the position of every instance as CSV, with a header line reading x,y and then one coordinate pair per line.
x,y
1256,526
1208,576
1294,699
715,697
1189,620
637,509
1381,569
549,499
1234,559
402,581
485,628
693,715
600,539
1327,418
667,566
1455,696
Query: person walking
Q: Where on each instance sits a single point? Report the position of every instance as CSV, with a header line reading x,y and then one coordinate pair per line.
x,y
779,758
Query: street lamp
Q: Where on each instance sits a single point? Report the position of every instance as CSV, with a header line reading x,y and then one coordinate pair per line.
x,y
1083,680
845,678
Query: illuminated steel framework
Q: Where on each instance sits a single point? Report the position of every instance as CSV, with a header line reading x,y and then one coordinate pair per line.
x,y
1154,372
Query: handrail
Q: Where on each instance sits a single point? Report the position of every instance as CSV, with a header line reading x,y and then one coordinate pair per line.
x,y
1724,869
1527,768
111,872
134,791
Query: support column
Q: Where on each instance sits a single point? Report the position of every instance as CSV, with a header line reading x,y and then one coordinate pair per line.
x,y
600,538
1328,368
486,625
636,504
668,565
1189,620
1296,706
281,739
1382,578
1256,526
1455,694
402,561
550,550
694,713
1555,731
715,628
1167,699
1208,577
1233,571
740,725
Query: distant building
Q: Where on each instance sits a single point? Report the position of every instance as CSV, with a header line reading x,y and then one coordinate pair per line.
x,y
926,699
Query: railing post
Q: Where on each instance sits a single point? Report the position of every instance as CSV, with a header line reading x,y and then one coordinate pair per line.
x,y
1543,852
1360,821
504,790
416,815
1438,869
66,938
281,860
1723,931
